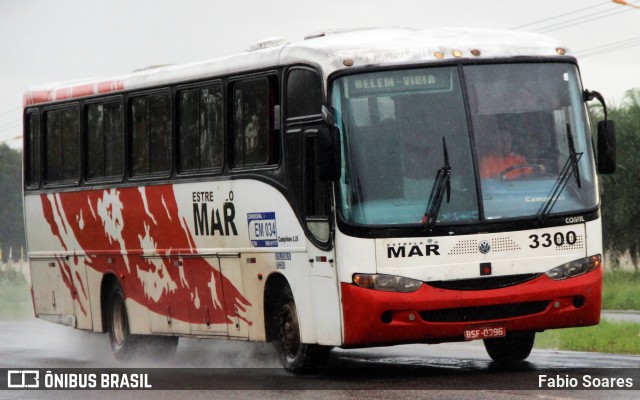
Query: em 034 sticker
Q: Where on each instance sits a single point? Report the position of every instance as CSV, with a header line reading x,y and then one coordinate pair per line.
x,y
263,230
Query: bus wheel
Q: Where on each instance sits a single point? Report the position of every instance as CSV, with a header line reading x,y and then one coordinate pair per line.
x,y
296,357
514,347
126,346
122,342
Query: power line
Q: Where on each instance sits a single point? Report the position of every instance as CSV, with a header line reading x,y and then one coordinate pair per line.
x,y
615,46
3,141
10,111
10,124
566,23
547,25
608,48
581,20
559,16
625,3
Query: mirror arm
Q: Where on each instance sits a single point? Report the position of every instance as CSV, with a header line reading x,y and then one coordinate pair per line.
x,y
589,95
330,147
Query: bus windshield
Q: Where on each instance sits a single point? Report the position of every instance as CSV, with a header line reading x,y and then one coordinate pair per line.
x,y
521,129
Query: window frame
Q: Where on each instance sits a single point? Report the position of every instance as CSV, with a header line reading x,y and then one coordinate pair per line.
x,y
85,134
222,152
304,117
44,143
31,183
130,126
274,156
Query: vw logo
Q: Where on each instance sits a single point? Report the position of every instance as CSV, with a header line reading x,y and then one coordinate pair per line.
x,y
484,246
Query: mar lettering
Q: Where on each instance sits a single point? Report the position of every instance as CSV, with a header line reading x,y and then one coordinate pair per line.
x,y
413,251
210,223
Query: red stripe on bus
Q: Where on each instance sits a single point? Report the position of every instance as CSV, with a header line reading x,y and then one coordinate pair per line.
x,y
110,86
82,90
71,92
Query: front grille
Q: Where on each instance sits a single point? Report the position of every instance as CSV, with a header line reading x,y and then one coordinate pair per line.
x,y
484,313
494,282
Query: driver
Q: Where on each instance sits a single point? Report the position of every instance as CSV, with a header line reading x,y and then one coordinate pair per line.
x,y
496,157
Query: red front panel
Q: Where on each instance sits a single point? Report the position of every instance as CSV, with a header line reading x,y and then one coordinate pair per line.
x,y
374,317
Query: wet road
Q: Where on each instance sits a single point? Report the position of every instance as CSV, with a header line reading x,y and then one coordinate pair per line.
x,y
455,371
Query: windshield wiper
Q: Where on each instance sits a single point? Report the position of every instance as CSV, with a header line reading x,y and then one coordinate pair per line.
x,y
573,155
441,185
570,167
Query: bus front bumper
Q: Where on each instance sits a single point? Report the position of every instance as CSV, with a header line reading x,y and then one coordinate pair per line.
x,y
432,315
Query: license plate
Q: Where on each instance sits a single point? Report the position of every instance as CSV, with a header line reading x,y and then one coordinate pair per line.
x,y
484,332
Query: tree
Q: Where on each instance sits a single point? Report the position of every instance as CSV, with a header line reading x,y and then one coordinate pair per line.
x,y
621,199
12,233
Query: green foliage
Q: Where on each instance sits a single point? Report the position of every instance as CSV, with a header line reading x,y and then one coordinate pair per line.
x,y
11,216
14,292
607,337
621,199
15,299
11,276
621,290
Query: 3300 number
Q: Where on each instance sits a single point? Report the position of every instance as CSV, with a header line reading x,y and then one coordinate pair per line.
x,y
558,238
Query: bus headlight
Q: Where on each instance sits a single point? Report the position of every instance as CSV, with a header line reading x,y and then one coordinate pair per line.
x,y
387,283
575,268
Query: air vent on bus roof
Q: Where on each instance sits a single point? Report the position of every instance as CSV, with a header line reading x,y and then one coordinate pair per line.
x,y
267,43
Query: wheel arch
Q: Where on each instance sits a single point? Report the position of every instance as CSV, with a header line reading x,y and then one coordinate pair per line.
x,y
275,285
108,282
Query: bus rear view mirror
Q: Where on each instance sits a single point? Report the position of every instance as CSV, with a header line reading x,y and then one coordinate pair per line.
x,y
606,136
329,147
606,147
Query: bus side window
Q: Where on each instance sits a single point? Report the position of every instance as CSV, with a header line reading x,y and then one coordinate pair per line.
x,y
303,109
316,207
62,145
33,149
201,128
254,122
304,93
105,140
151,134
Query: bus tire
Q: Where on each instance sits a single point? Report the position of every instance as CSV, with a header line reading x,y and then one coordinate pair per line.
x,y
121,341
296,357
515,347
126,346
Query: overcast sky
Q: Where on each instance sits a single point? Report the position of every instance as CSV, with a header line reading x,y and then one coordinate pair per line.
x,y
58,40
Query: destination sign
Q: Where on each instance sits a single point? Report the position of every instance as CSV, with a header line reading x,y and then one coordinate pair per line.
x,y
401,81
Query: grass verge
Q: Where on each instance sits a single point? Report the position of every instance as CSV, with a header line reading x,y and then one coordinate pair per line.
x,y
608,337
621,290
15,300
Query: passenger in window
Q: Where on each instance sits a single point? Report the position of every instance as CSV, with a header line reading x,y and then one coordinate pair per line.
x,y
251,134
498,161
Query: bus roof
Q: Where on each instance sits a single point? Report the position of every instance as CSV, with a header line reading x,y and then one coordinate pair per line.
x,y
331,51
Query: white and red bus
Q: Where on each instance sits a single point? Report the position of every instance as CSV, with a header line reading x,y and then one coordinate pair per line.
x,y
358,188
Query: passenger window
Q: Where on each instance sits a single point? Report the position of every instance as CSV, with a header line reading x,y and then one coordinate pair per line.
x,y
201,128
33,149
304,93
105,140
151,134
254,122
62,145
